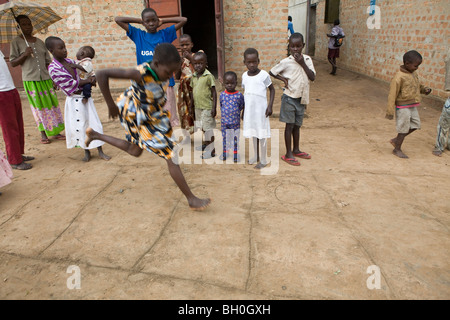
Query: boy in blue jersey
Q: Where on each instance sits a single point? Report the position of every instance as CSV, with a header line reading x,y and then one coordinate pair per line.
x,y
146,42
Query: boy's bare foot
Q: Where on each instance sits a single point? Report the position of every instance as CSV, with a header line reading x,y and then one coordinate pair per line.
x,y
198,204
90,135
437,153
87,156
104,156
260,165
400,154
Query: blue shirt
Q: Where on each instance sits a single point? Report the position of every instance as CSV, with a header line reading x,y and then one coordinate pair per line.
x,y
290,27
231,105
146,42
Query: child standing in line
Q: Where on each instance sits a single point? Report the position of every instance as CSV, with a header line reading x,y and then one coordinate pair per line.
x,y
184,87
231,111
404,98
140,110
146,42
84,56
255,83
443,129
77,115
205,101
296,71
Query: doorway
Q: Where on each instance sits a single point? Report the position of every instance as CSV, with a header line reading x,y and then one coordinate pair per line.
x,y
312,30
201,26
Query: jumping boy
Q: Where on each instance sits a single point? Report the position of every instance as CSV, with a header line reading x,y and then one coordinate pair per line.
x,y
205,101
296,71
404,98
142,115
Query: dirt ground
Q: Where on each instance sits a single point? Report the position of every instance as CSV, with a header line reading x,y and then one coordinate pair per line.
x,y
351,216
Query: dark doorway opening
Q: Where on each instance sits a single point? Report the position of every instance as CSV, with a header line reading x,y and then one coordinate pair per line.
x,y
312,30
201,27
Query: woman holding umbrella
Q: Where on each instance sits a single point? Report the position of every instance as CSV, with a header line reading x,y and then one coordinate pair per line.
x,y
30,52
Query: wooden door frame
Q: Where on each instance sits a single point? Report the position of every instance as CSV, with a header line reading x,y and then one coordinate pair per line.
x,y
218,12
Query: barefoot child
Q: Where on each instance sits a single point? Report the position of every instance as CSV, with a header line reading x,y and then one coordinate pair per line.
x,y
146,41
142,115
77,116
84,57
205,101
296,71
255,83
404,98
231,111
184,88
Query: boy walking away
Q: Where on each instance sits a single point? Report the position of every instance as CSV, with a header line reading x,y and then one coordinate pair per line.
x,y
443,129
404,98
333,50
231,111
84,57
141,113
146,42
205,102
296,71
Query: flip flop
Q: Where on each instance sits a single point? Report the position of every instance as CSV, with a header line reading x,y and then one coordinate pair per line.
x,y
302,155
60,137
45,141
27,158
22,166
291,161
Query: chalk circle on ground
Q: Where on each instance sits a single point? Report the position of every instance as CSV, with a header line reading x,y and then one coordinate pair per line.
x,y
294,193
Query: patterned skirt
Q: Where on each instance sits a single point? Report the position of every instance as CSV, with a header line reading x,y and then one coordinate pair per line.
x,y
44,106
147,126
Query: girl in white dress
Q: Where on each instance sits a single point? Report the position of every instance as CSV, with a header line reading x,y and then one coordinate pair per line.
x,y
256,125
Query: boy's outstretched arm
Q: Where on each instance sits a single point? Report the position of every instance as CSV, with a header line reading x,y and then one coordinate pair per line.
x,y
103,77
269,109
124,21
179,21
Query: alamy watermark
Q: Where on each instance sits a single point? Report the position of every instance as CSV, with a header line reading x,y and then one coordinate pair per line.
x,y
74,281
374,281
183,150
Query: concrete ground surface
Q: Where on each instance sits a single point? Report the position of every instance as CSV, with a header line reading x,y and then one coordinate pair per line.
x,y
353,222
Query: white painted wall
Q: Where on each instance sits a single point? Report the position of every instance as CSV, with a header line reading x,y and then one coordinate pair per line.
x,y
298,12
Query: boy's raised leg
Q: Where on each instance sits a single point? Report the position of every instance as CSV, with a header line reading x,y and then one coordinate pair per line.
x,y
177,176
124,145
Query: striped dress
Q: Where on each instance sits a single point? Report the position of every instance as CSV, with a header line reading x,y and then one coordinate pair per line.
x,y
77,116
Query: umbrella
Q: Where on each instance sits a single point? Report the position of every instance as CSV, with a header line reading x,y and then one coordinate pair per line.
x,y
41,18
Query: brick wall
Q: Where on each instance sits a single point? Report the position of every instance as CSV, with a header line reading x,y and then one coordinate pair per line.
x,y
247,23
260,24
405,25
98,29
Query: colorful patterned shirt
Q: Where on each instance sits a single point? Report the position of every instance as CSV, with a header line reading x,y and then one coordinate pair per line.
x,y
231,106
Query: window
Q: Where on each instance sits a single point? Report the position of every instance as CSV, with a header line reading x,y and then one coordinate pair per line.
x,y
331,10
